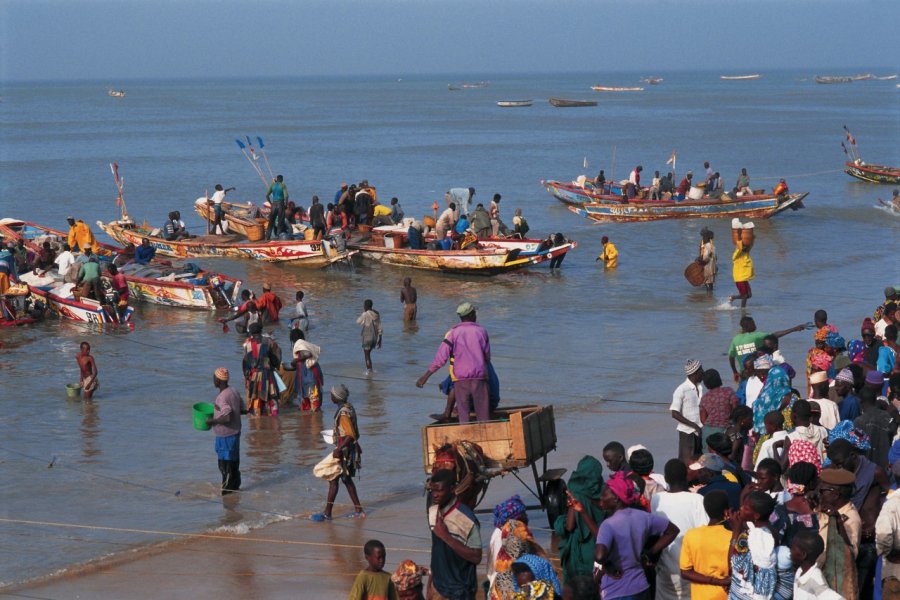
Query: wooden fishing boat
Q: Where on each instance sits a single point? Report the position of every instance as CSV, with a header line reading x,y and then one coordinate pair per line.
x,y
467,86
304,253
862,77
115,93
887,78
525,246
388,247
514,103
830,79
652,80
157,283
239,218
576,193
760,206
564,103
603,88
873,173
59,298
740,77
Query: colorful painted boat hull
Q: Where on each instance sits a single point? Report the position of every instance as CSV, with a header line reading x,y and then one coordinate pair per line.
x,y
74,310
757,207
305,253
873,173
213,295
572,194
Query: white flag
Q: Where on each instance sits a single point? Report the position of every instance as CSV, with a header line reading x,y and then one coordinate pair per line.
x,y
585,162
671,160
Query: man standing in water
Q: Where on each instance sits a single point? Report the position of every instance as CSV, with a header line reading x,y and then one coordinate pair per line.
x,y
609,255
88,367
685,409
742,270
346,438
370,333
408,297
468,348
226,425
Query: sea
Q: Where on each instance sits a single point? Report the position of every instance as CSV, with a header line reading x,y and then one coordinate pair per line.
x,y
85,480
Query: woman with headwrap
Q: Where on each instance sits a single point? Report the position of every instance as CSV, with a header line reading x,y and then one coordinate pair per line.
x,y
510,509
623,539
819,358
529,568
775,395
800,506
517,540
708,258
578,528
407,580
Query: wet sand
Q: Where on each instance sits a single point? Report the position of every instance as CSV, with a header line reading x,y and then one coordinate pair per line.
x,y
303,559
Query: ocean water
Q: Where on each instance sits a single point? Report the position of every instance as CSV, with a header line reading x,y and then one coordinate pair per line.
x,y
598,345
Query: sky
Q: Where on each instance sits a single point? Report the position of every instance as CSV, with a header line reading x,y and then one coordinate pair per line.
x,y
50,40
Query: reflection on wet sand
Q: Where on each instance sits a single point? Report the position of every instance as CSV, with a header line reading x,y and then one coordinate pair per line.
x,y
263,436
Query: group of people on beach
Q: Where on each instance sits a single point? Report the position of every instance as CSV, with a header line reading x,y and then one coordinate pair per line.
x,y
774,494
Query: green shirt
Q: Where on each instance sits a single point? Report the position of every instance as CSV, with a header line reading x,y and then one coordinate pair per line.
x,y
90,271
373,586
745,344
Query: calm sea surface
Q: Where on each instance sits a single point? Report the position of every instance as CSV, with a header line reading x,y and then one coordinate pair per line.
x,y
593,343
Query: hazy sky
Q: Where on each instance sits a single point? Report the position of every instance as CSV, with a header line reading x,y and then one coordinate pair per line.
x,y
115,40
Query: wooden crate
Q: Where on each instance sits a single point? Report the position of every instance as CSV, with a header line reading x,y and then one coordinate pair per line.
x,y
519,436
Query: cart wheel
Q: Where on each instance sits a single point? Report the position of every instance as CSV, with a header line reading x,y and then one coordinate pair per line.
x,y
555,500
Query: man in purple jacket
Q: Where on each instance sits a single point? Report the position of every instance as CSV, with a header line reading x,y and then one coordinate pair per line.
x,y
468,349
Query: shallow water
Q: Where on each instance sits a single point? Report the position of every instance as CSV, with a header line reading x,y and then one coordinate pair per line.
x,y
130,460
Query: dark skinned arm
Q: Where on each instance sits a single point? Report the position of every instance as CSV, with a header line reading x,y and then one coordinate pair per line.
x,y
695,577
734,371
668,536
871,506
784,332
676,414
577,507
472,555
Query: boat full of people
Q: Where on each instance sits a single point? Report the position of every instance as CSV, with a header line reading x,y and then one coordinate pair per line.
x,y
465,254
148,279
304,253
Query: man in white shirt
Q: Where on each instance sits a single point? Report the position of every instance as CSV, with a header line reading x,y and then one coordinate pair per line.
x,y
756,382
686,410
685,509
64,260
830,413
804,429
217,198
887,318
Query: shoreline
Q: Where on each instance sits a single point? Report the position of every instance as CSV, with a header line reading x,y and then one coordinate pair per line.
x,y
281,557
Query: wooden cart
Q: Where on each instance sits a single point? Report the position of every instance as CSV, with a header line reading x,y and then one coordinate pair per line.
x,y
517,437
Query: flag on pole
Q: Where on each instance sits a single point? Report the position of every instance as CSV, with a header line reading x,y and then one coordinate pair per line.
x,y
845,148
851,139
259,139
240,144
585,162
671,160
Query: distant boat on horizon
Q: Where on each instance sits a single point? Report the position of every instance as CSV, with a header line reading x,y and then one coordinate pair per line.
x,y
604,88
467,86
652,80
514,103
887,78
833,79
740,77
115,93
564,103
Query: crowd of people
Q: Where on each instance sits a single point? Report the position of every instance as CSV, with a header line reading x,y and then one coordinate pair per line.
x,y
664,188
774,493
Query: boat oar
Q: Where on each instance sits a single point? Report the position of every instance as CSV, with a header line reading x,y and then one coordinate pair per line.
x,y
266,158
252,163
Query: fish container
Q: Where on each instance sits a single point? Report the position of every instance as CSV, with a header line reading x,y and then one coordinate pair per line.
x,y
696,193
73,390
737,229
201,412
748,234
328,436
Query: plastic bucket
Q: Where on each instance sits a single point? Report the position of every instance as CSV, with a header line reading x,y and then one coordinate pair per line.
x,y
73,390
202,411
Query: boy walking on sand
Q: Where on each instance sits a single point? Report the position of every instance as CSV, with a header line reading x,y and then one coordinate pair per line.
x,y
372,583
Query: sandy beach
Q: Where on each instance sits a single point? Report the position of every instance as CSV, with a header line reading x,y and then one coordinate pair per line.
x,y
300,558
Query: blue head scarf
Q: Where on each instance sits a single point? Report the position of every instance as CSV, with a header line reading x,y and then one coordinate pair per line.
x,y
541,569
777,386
